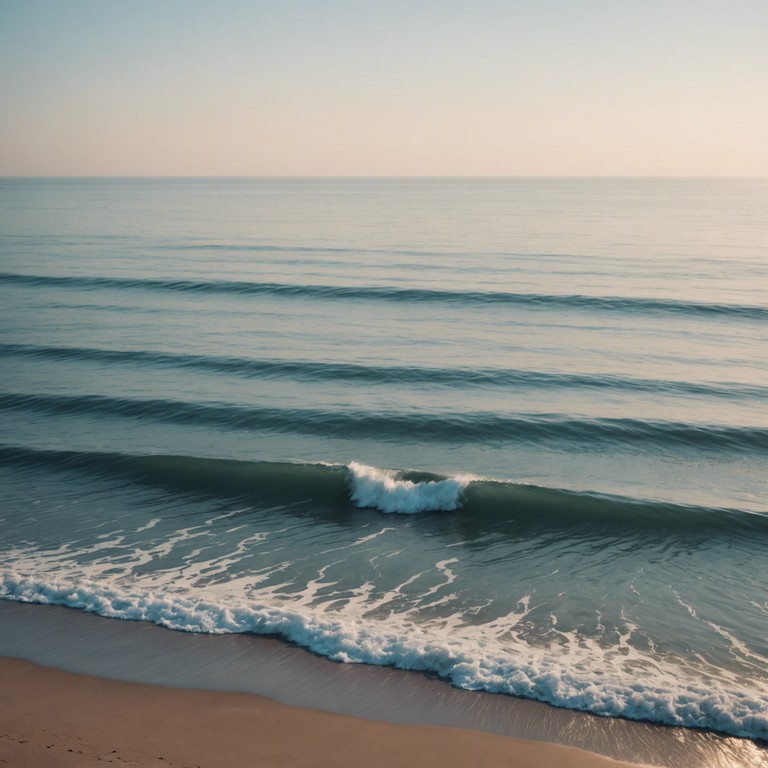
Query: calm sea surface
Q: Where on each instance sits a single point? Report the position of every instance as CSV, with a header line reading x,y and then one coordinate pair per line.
x,y
513,432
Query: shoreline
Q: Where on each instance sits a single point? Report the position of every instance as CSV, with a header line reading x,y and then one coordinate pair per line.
x,y
55,718
140,653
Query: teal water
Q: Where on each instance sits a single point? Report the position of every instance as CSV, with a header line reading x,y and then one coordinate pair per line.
x,y
512,432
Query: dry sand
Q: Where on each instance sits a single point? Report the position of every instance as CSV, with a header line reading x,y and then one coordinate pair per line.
x,y
53,718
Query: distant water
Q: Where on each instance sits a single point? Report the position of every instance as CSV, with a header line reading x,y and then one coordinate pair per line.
x,y
512,432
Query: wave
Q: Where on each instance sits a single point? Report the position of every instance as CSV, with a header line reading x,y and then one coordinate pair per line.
x,y
414,375
472,427
398,294
589,682
381,489
476,504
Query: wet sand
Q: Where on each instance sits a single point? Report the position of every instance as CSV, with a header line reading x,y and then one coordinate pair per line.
x,y
55,718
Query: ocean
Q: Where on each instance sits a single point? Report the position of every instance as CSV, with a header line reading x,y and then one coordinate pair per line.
x,y
512,433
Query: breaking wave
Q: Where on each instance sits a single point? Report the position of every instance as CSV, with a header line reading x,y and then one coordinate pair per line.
x,y
382,490
480,503
607,685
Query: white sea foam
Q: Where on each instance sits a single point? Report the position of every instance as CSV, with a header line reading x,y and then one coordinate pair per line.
x,y
380,489
584,678
371,537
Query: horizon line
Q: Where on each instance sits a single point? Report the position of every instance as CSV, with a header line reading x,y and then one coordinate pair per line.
x,y
378,176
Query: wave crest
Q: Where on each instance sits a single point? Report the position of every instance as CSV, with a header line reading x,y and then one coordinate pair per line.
x,y
381,489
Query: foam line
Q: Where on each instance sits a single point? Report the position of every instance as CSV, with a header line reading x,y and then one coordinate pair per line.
x,y
595,684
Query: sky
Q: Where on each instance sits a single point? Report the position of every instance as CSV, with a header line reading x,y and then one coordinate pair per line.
x,y
402,88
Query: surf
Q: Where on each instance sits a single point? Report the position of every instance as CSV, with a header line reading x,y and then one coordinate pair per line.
x,y
482,503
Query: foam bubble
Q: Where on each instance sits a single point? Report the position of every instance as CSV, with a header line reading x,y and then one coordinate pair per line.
x,y
381,489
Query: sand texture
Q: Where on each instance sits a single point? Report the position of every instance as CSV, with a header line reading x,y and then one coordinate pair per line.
x,y
54,718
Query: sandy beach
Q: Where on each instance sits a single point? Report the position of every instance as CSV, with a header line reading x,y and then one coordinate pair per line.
x,y
55,718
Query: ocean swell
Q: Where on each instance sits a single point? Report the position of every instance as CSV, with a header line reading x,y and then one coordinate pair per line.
x,y
381,375
463,427
580,302
483,504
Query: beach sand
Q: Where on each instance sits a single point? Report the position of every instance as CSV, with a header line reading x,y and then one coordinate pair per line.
x,y
55,718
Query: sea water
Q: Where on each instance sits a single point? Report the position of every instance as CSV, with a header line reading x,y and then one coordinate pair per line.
x,y
513,432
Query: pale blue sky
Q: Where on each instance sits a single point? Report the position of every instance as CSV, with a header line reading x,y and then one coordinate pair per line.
x,y
346,87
